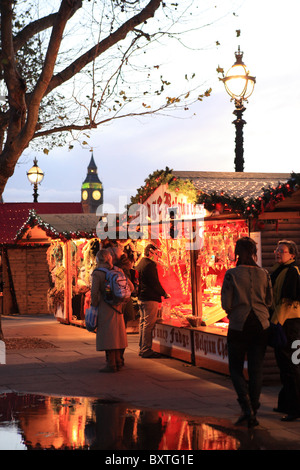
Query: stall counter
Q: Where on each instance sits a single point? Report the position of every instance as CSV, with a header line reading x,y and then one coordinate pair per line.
x,y
203,346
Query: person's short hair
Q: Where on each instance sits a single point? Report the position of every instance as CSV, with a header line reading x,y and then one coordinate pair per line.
x,y
150,248
292,247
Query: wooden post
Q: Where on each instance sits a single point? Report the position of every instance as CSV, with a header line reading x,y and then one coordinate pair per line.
x,y
196,284
68,283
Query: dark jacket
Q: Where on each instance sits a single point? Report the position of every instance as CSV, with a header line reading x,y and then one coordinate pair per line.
x,y
150,287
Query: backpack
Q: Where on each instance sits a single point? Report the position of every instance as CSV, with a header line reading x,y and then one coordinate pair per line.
x,y
117,289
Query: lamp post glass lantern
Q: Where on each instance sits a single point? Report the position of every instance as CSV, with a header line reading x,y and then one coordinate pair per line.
x,y
239,84
35,176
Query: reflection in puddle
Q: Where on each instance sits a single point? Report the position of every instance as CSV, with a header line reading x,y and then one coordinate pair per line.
x,y
47,422
44,422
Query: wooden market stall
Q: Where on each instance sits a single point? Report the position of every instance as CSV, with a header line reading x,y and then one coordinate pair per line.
x,y
24,273
71,247
193,326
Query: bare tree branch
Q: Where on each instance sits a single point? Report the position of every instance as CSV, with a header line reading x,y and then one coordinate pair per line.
x,y
103,45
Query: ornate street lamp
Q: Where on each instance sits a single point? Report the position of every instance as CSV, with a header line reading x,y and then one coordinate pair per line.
x,y
35,175
239,84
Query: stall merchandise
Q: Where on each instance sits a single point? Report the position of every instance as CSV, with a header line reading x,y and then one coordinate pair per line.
x,y
214,257
196,333
70,264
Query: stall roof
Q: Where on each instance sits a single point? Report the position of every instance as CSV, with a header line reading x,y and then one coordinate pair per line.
x,y
54,226
69,223
14,215
238,184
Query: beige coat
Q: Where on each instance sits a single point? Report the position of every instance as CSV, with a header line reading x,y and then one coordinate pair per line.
x,y
111,331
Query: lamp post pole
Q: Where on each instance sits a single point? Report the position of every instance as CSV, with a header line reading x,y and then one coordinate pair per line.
x,y
239,137
35,192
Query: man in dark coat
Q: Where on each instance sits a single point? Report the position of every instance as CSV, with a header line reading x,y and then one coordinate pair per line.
x,y
150,294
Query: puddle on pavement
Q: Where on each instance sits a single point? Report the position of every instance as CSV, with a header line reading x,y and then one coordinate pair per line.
x,y
34,422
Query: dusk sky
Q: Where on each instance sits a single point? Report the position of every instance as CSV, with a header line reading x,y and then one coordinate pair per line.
x,y
127,151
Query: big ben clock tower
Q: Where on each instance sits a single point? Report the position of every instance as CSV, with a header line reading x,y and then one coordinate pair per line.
x,y
91,189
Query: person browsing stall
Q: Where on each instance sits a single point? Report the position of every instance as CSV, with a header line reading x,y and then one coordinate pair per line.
x,y
111,332
150,294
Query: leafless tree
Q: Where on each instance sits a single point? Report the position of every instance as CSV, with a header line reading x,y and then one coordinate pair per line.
x,y
64,68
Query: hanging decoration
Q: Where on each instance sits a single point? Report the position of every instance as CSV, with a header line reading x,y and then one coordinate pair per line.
x,y
54,254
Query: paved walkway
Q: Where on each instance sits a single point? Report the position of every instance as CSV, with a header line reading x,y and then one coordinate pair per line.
x,y
65,363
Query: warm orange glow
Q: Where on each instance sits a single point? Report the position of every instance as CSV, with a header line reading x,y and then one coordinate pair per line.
x,y
238,83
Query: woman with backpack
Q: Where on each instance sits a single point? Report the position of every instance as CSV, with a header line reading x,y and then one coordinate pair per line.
x,y
111,332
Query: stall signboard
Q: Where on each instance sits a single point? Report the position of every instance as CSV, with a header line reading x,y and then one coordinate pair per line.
x,y
162,199
210,351
155,218
172,341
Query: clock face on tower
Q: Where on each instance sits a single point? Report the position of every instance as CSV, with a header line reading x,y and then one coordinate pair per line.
x,y
96,195
84,195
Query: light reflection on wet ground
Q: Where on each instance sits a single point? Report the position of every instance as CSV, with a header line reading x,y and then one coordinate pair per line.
x,y
47,422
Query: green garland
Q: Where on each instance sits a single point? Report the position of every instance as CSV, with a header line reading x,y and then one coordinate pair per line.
x,y
222,202
272,196
253,207
154,180
160,177
185,187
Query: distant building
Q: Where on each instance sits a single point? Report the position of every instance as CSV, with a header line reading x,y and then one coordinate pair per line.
x,y
91,189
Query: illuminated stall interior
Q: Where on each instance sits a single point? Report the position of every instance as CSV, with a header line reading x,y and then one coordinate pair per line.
x,y
71,247
177,262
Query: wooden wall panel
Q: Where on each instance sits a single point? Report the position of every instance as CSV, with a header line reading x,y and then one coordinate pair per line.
x,y
272,232
29,270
